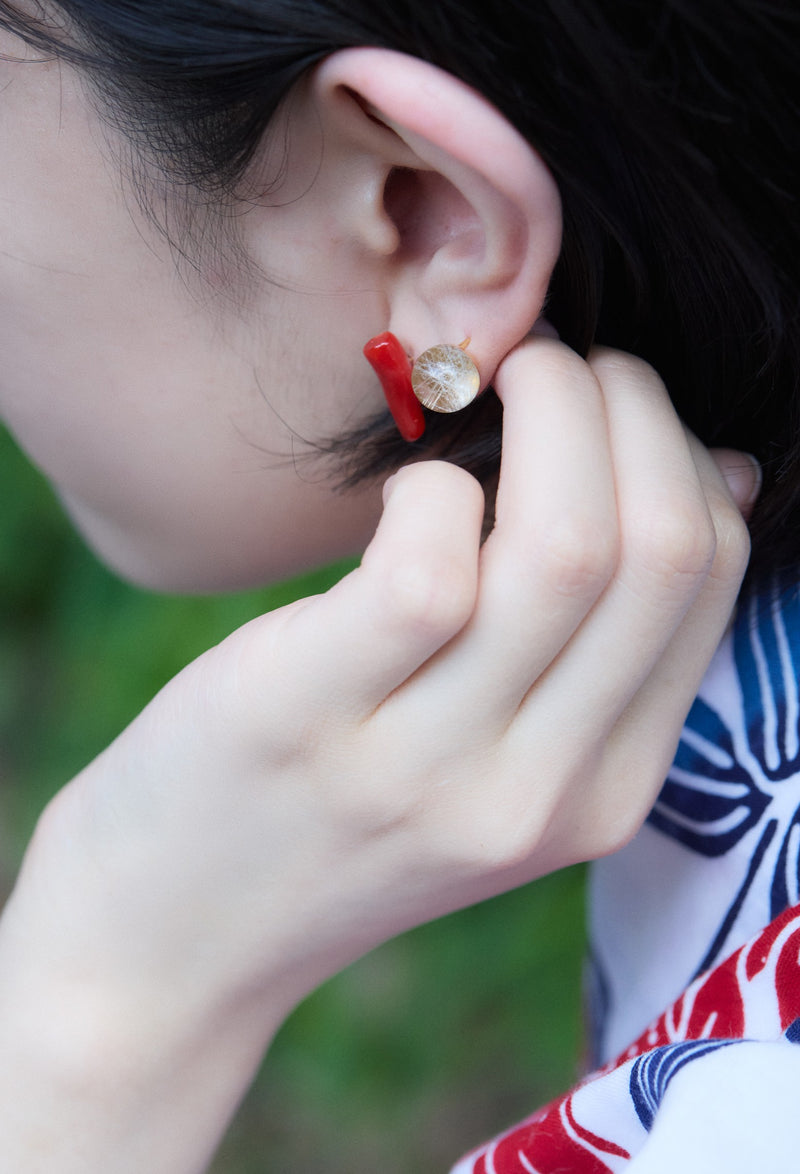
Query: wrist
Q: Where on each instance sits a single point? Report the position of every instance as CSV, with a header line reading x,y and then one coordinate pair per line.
x,y
111,1062
106,1075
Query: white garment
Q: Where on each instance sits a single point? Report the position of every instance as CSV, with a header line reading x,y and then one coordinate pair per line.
x,y
718,858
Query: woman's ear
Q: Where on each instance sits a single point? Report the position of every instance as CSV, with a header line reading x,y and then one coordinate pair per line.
x,y
423,190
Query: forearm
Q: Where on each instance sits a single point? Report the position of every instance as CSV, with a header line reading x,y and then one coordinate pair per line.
x,y
110,1070
79,1092
90,1082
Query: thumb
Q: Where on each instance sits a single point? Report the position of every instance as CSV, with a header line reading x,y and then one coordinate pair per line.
x,y
742,473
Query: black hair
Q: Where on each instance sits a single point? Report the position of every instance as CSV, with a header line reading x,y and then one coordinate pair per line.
x,y
670,127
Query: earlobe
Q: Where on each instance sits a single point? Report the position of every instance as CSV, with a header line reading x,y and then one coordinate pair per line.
x,y
460,215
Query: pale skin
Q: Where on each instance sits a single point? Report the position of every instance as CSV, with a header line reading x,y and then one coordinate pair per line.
x,y
364,760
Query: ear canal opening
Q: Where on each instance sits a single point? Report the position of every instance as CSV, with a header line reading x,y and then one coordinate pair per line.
x,y
427,210
401,201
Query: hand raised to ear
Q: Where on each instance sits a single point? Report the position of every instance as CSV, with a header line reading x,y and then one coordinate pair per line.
x,y
451,720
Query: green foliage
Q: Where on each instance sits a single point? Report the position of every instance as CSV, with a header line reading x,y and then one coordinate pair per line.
x,y
412,1055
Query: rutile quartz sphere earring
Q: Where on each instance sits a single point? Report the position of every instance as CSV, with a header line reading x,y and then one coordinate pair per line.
x,y
444,379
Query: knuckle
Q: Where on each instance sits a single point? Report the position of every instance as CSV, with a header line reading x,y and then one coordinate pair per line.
x,y
431,596
577,557
608,819
501,842
607,837
378,811
675,543
503,831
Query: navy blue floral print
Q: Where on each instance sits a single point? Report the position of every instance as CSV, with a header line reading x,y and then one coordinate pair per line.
x,y
728,779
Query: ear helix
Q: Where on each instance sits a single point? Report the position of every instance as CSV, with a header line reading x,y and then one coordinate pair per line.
x,y
444,379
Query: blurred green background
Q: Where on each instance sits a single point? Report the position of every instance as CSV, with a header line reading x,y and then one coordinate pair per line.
x,y
407,1059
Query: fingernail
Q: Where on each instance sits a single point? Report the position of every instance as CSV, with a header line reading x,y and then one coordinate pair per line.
x,y
744,481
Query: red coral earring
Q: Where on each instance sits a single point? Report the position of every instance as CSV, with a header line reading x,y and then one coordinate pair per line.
x,y
393,367
443,379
